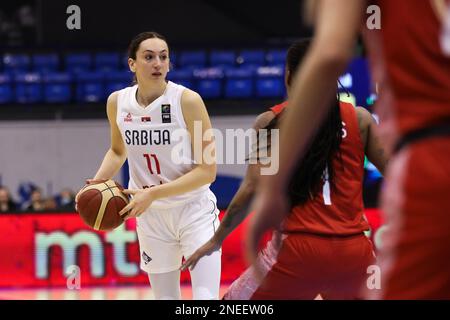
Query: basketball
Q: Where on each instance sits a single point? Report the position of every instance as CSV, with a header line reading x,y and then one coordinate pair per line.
x,y
99,205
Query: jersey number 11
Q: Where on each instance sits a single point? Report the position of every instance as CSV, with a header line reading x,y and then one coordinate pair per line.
x,y
149,158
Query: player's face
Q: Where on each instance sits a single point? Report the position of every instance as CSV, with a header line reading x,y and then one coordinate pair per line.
x,y
152,60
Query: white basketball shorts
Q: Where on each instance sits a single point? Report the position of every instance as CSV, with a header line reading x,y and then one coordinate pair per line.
x,y
167,235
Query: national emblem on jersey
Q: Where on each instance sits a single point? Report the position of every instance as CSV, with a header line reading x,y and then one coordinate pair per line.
x,y
165,108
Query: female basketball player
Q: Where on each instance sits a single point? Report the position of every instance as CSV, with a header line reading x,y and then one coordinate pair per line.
x,y
152,124
323,250
413,74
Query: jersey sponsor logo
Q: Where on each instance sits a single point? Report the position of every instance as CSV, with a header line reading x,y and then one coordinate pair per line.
x,y
146,119
147,137
128,118
146,258
166,118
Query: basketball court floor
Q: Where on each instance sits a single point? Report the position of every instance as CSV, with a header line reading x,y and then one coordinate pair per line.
x,y
92,293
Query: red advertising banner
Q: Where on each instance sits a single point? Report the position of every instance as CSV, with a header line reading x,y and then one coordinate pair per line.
x,y
39,250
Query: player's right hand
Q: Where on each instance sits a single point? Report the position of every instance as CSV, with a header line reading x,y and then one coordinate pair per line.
x,y
205,250
87,182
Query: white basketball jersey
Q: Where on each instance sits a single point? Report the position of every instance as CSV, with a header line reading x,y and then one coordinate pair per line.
x,y
153,136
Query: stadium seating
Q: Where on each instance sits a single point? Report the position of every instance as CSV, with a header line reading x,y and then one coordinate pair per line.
x,y
90,86
209,82
192,59
251,58
270,82
183,77
45,62
223,58
276,57
6,90
106,61
92,76
239,83
16,63
116,80
57,87
28,87
77,62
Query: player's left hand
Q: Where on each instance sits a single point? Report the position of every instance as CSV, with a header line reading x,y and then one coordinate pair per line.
x,y
142,199
205,250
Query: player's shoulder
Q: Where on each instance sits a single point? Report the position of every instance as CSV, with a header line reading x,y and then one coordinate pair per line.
x,y
112,98
190,98
111,102
190,94
364,117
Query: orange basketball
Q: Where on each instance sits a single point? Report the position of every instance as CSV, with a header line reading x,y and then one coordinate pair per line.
x,y
99,205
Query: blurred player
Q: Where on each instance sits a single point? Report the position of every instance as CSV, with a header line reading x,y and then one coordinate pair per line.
x,y
324,250
175,209
413,77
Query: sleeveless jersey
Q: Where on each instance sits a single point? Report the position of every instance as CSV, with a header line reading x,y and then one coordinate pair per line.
x,y
338,209
157,142
278,108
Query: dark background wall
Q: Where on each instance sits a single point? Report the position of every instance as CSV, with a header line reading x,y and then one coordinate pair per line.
x,y
187,23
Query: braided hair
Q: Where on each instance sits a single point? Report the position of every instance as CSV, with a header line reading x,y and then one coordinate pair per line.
x,y
316,165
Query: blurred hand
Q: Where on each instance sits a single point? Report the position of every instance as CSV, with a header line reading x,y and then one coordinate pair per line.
x,y
87,182
270,207
205,250
142,199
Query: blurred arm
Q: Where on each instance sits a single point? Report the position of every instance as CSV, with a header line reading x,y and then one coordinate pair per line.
x,y
373,148
314,87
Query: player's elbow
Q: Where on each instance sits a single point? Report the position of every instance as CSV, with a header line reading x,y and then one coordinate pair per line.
x,y
119,153
210,173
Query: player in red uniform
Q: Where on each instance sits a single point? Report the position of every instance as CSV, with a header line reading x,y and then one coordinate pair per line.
x,y
323,249
413,77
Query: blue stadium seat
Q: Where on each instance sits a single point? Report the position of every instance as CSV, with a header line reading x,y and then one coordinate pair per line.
x,y
104,61
239,83
123,63
270,82
276,57
90,87
57,87
6,91
28,88
78,62
16,63
45,62
117,80
183,77
192,59
224,58
209,82
251,58
173,59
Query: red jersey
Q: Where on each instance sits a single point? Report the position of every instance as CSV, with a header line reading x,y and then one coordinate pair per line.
x,y
278,108
409,66
338,209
